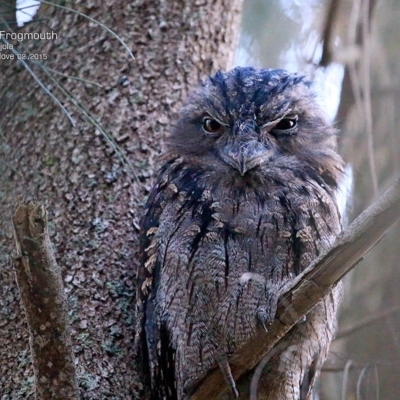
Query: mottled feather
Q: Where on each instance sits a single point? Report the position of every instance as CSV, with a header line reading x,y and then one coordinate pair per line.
x,y
234,215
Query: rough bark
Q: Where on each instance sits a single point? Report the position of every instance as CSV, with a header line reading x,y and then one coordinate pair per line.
x,y
95,201
42,293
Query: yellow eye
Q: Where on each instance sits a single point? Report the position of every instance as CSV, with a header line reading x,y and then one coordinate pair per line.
x,y
212,126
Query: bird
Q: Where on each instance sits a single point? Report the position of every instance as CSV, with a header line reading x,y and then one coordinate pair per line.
x,y
245,200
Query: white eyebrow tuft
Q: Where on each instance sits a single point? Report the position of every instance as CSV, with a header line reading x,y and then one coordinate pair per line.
x,y
253,276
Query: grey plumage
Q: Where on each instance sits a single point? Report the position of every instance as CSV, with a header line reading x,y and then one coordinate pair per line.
x,y
244,202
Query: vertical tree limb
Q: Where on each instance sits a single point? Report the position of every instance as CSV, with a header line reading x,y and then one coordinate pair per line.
x,y
42,293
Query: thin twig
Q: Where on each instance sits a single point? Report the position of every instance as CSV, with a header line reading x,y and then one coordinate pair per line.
x,y
39,82
366,322
13,169
346,378
86,113
93,20
74,78
328,37
359,381
49,72
366,71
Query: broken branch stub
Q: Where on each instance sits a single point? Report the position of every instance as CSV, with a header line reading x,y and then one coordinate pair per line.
x,y
42,294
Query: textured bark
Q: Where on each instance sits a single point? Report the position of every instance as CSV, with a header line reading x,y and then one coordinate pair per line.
x,y
94,200
7,11
42,294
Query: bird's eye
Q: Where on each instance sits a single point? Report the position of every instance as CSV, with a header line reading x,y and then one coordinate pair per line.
x,y
212,126
286,125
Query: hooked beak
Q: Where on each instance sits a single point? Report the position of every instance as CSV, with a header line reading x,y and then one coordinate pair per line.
x,y
245,155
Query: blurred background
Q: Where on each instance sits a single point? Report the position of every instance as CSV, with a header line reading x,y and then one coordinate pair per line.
x,y
350,48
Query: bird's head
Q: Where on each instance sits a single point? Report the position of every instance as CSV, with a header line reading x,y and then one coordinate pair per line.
x,y
249,119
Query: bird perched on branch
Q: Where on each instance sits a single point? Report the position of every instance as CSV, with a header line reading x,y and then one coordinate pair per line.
x,y
243,203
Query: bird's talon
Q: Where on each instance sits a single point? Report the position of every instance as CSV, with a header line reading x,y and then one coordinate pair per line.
x,y
262,318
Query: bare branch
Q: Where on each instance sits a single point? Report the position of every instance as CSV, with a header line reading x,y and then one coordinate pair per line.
x,y
367,322
339,367
328,34
311,286
42,294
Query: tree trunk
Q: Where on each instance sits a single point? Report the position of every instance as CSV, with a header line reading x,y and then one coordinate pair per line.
x,y
95,190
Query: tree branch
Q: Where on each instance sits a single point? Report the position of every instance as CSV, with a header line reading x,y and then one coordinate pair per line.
x,y
328,34
42,293
310,287
367,322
